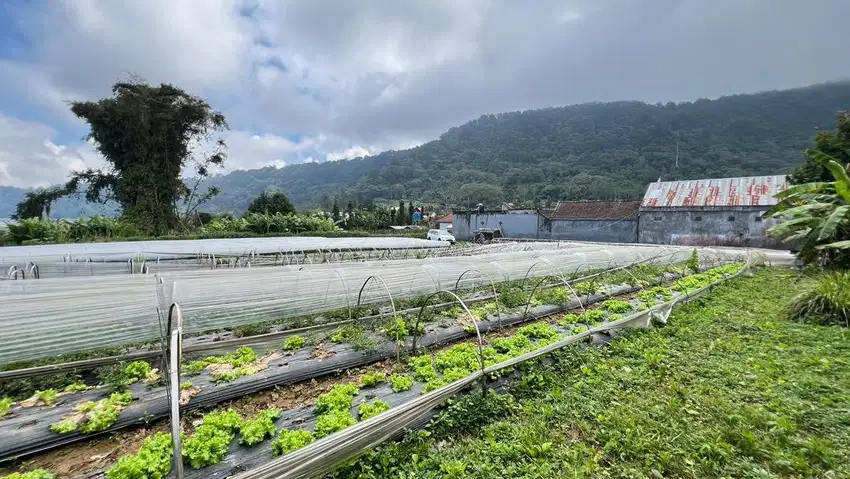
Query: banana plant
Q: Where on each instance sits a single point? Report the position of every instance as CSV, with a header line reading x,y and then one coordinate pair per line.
x,y
816,214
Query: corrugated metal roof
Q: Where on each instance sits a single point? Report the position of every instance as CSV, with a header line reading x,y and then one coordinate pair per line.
x,y
594,210
446,219
746,191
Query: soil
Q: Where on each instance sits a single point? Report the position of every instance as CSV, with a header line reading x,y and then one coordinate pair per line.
x,y
86,458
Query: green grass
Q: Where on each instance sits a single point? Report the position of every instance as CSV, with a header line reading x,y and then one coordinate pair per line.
x,y
729,388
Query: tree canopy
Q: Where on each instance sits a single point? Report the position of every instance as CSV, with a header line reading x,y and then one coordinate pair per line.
x,y
271,203
147,134
38,202
588,151
835,144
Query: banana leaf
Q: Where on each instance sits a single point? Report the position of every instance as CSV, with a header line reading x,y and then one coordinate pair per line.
x,y
842,180
832,222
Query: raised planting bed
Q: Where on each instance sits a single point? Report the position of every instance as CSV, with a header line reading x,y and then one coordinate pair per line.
x,y
27,429
342,406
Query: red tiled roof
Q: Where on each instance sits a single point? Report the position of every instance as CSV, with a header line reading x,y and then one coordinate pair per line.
x,y
594,210
446,219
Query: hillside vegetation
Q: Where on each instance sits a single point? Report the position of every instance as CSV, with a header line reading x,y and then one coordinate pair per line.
x,y
588,151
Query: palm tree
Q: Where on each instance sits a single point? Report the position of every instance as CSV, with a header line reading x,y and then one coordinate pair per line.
x,y
817,215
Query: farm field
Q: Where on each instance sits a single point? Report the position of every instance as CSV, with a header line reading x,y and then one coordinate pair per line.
x,y
323,381
729,388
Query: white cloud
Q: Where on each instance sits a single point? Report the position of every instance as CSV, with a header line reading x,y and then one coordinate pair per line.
x,y
354,78
29,156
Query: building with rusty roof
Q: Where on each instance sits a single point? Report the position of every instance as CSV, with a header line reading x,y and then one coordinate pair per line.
x,y
724,211
605,221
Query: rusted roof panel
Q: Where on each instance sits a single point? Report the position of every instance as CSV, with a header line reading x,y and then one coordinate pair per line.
x,y
746,191
594,210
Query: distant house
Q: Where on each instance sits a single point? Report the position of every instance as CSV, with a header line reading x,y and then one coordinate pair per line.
x,y
603,221
445,223
511,224
713,212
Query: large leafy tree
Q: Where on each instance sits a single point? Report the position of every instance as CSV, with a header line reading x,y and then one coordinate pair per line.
x,y
271,203
148,134
816,215
835,144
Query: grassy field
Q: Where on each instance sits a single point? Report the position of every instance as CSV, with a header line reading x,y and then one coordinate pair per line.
x,y
729,388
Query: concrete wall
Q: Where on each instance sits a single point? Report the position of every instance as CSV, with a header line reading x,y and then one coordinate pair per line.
x,y
591,230
513,225
706,227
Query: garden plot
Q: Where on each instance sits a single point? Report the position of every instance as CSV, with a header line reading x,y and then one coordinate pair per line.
x,y
347,358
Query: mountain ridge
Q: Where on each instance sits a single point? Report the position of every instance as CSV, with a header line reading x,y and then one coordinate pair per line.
x,y
594,150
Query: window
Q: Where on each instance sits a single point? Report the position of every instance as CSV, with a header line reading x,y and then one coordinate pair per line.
x,y
758,218
697,218
731,218
656,218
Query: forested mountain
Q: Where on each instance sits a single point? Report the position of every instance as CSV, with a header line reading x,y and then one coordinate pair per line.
x,y
587,151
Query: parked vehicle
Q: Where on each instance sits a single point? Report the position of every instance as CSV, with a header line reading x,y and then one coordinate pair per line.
x,y
440,235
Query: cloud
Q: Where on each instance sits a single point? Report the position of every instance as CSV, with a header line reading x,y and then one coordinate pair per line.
x,y
355,78
29,157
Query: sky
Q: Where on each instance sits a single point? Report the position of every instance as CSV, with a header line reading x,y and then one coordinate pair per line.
x,y
319,80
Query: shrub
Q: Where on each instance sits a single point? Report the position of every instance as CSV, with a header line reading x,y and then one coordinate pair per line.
x,y
401,382
254,431
337,399
290,440
368,410
293,342
332,422
373,378
827,303
153,461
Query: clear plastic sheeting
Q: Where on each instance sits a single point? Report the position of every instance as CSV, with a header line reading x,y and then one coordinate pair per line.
x,y
86,267
174,249
57,316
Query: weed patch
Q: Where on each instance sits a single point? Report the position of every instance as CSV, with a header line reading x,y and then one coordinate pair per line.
x,y
729,388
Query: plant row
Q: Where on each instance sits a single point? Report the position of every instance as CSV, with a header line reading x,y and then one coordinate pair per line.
x,y
95,416
210,441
